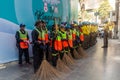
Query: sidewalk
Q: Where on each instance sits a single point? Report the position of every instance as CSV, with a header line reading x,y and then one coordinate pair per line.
x,y
101,64
14,72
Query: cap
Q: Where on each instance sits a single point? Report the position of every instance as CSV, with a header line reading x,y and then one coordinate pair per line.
x,y
22,25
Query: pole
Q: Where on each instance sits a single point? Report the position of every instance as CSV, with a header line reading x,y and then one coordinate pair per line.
x,y
117,20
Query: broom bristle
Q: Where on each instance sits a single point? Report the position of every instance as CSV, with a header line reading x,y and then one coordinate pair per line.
x,y
76,55
82,52
69,54
67,60
46,72
62,67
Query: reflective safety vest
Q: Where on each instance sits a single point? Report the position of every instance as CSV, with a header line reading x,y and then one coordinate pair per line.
x,y
46,36
64,35
58,42
64,39
70,41
41,35
81,36
74,34
23,45
23,36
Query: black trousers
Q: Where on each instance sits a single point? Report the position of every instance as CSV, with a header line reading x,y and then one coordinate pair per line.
x,y
37,57
54,60
54,57
26,55
47,51
105,42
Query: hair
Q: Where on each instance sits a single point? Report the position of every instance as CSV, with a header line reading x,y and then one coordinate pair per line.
x,y
37,22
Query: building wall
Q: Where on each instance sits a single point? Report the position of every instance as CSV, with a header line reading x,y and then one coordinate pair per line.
x,y
90,4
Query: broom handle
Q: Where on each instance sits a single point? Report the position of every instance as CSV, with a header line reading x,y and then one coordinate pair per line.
x,y
44,53
58,54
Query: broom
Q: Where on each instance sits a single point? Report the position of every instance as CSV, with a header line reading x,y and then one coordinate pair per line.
x,y
61,66
67,60
82,52
69,54
75,54
46,71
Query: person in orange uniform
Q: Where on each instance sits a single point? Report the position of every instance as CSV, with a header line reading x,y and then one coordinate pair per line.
x,y
70,39
56,44
64,37
22,40
81,35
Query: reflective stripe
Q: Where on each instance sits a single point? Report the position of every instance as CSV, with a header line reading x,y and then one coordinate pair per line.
x,y
23,36
64,51
75,46
39,36
54,54
43,35
78,33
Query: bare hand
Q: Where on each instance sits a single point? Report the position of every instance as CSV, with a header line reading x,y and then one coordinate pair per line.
x,y
39,42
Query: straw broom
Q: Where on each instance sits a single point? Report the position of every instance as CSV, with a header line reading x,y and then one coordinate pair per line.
x,y
69,54
82,52
76,55
67,60
46,71
61,66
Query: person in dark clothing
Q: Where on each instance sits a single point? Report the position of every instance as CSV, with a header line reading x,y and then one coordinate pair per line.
x,y
22,40
105,38
37,42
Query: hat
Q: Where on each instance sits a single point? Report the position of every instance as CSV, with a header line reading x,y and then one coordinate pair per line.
x,y
75,22
22,25
62,26
68,27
